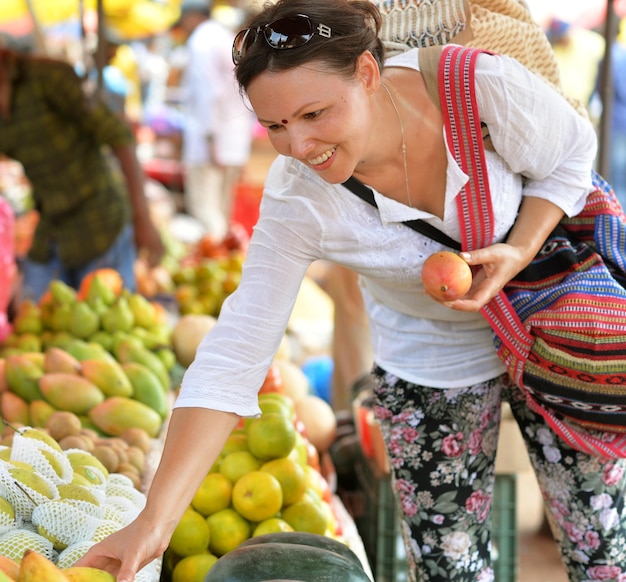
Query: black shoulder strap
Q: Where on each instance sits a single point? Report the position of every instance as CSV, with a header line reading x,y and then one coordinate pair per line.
x,y
421,226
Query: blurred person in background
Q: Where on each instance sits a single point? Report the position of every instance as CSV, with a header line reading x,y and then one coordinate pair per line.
x,y
91,214
217,135
578,52
617,142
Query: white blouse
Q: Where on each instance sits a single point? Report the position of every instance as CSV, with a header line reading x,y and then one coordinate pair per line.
x,y
302,219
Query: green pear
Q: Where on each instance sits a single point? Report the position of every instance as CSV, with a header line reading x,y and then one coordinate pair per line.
x,y
149,340
61,339
61,317
98,305
100,291
84,321
144,312
118,317
62,293
103,338
28,318
29,342
83,350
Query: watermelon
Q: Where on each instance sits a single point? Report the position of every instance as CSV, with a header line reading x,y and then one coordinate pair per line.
x,y
277,561
306,539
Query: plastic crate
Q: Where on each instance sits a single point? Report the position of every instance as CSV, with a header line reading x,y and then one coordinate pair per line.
x,y
378,523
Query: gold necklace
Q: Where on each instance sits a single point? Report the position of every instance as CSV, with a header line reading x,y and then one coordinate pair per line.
x,y
406,173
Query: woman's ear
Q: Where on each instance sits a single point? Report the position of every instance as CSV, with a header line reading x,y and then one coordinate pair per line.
x,y
367,72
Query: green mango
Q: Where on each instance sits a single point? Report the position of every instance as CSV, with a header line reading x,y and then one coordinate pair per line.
x,y
128,351
146,387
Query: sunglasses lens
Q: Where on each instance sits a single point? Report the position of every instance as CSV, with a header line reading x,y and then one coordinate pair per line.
x,y
290,32
242,43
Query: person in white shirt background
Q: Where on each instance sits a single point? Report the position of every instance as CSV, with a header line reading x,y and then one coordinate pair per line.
x,y
217,133
334,106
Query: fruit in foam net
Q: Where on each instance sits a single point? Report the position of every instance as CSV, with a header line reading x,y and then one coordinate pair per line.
x,y
446,276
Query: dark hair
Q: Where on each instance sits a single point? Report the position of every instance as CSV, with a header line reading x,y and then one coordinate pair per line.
x,y
355,26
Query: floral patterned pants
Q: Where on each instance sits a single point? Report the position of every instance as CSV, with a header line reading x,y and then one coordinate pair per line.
x,y
442,445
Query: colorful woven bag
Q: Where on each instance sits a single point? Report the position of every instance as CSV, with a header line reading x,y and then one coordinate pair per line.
x,y
560,325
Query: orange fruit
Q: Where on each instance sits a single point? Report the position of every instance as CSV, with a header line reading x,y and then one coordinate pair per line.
x,y
193,568
237,464
228,529
291,476
257,496
110,277
270,436
214,493
283,399
306,515
236,441
318,483
271,525
191,535
446,276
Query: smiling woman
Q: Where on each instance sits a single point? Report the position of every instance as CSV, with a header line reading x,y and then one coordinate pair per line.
x,y
317,77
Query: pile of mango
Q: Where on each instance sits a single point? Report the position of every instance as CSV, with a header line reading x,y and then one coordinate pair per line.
x,y
101,353
101,312
107,395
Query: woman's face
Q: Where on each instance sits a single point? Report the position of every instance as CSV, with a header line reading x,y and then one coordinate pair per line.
x,y
318,117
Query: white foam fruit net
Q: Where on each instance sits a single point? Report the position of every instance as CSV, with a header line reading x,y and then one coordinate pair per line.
x,y
20,493
13,544
65,522
62,529
47,461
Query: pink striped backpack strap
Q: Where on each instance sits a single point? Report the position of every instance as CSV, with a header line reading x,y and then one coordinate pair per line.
x,y
464,135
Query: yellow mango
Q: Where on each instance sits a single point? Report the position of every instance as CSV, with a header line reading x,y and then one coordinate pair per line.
x,y
34,568
70,392
14,409
86,574
107,375
58,360
118,413
22,374
40,411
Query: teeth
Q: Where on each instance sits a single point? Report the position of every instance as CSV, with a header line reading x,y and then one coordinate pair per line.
x,y
321,159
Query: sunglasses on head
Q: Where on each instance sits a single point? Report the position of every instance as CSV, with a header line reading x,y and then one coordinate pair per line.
x,y
285,33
